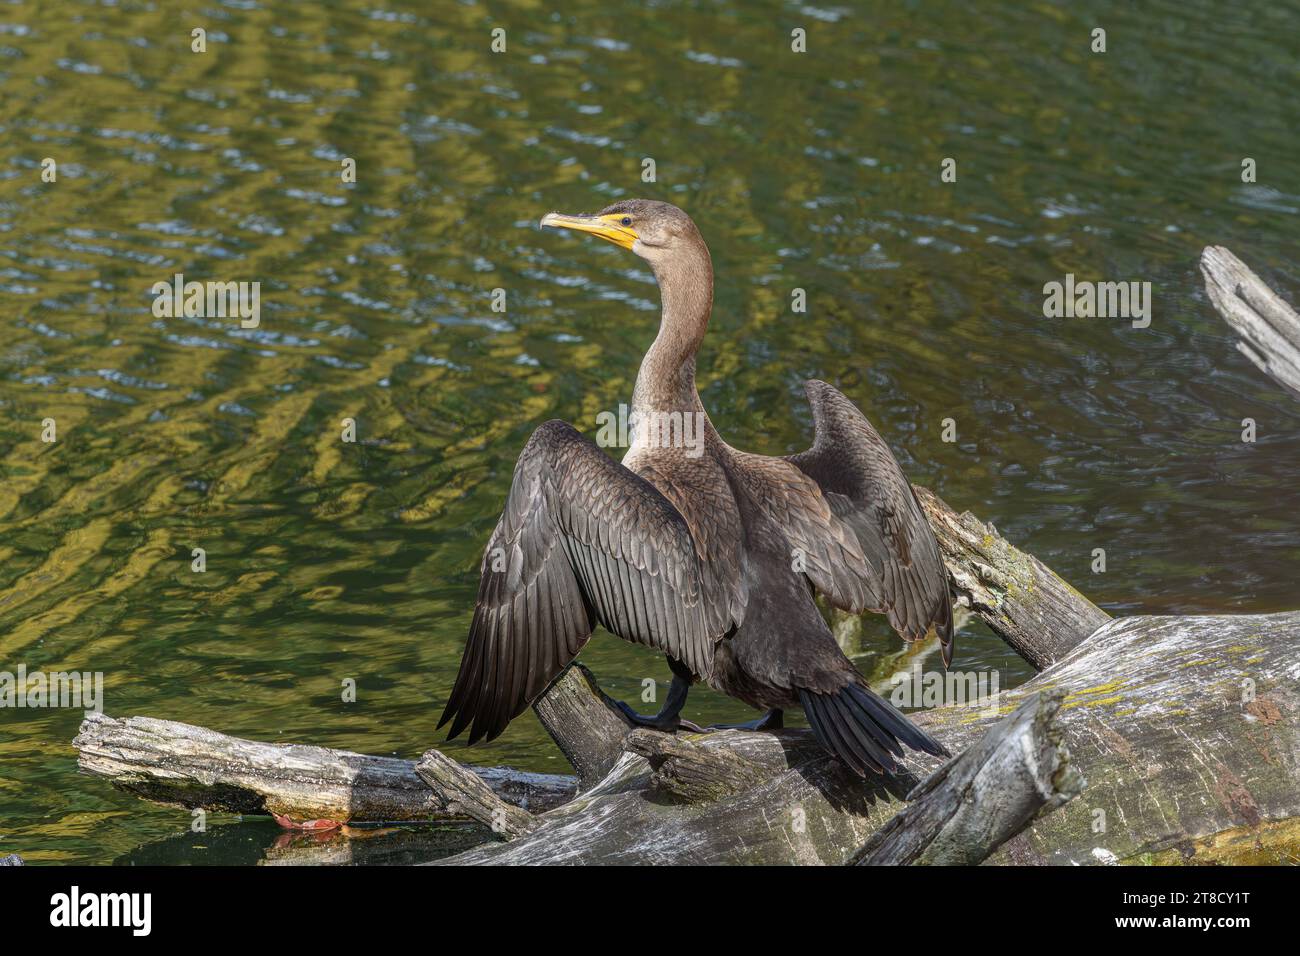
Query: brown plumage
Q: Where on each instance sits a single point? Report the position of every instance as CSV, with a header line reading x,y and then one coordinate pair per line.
x,y
705,552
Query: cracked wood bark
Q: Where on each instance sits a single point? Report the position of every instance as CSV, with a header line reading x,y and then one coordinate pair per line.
x,y
169,762
1186,728
1268,329
968,808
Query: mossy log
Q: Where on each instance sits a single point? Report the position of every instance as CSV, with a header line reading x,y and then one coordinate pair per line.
x,y
1021,599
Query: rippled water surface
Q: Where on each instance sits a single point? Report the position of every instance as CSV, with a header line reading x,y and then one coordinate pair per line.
x,y
328,561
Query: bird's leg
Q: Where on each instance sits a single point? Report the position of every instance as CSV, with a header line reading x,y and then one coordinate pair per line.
x,y
774,719
667,719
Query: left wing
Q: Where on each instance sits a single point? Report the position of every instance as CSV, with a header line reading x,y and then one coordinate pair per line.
x,y
865,540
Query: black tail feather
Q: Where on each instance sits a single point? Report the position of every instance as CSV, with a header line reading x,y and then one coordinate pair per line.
x,y
864,731
884,713
834,728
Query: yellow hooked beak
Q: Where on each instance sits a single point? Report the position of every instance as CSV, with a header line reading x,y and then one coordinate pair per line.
x,y
607,227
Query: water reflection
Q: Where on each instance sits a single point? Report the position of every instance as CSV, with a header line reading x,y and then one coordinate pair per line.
x,y
256,842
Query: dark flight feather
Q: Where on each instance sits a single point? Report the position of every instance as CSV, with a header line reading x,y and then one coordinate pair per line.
x,y
582,541
903,572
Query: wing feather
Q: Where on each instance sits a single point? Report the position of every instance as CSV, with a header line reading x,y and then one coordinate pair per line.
x,y
582,541
872,546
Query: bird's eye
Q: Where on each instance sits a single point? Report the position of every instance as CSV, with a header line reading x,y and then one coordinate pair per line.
x,y
626,220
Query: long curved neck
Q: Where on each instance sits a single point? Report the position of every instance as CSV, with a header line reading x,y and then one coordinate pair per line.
x,y
666,381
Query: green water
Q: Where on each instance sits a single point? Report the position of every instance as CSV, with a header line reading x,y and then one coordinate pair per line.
x,y
328,561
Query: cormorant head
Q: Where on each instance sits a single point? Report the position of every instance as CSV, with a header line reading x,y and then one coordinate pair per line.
x,y
654,230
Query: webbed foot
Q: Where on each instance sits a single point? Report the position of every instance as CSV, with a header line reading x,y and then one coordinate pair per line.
x,y
666,722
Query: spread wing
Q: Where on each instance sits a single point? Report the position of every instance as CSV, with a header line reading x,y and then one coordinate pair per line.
x,y
582,541
865,500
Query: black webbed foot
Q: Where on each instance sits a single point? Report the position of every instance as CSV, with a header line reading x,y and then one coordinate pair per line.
x,y
667,722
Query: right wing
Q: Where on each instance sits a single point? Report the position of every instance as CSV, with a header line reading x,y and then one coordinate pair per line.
x,y
582,541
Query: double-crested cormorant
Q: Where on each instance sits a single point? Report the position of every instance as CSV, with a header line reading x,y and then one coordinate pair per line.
x,y
709,554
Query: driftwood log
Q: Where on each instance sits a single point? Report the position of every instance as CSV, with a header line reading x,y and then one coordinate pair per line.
x,y
183,765
465,792
1021,599
1267,327
1186,728
590,738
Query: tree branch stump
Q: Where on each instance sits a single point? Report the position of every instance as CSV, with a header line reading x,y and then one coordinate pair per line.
x,y
1017,771
584,723
465,792
1268,329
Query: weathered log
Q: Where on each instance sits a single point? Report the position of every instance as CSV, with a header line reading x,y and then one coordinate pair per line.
x,y
584,723
1267,327
1186,728
968,808
464,792
689,772
174,763
1021,599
